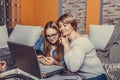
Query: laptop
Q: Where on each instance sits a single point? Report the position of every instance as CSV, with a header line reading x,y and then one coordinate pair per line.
x,y
25,58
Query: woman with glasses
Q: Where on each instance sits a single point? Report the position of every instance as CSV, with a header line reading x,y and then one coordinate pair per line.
x,y
52,49
79,53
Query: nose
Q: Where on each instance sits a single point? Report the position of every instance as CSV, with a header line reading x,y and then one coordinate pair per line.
x,y
50,38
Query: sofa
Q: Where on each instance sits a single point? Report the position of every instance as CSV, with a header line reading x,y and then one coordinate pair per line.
x,y
4,51
106,39
22,34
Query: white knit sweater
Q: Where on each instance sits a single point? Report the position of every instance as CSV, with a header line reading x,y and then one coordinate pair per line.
x,y
82,58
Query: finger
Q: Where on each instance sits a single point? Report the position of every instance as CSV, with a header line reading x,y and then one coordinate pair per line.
x,y
44,62
39,56
48,57
39,59
47,61
60,40
63,36
45,58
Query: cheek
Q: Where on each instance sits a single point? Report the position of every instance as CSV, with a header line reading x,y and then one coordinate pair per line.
x,y
60,29
57,37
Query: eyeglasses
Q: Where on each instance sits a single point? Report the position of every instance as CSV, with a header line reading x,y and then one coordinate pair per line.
x,y
52,35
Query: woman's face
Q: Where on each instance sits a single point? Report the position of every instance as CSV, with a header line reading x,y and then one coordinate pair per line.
x,y
52,35
65,28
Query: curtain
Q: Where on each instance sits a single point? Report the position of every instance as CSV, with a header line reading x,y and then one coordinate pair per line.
x,y
2,12
10,12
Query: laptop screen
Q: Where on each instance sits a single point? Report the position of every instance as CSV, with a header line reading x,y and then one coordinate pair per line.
x,y
25,58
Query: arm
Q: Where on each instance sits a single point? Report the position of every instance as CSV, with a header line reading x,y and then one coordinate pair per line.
x,y
49,61
74,59
53,61
39,45
65,43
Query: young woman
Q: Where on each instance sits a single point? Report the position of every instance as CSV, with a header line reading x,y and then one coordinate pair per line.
x,y
52,49
79,54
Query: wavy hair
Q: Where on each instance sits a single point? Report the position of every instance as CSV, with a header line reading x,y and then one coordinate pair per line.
x,y
47,49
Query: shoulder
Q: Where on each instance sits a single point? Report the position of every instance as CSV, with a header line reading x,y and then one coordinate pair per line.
x,y
82,42
40,39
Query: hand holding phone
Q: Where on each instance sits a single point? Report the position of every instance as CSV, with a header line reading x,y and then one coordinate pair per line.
x,y
42,59
47,60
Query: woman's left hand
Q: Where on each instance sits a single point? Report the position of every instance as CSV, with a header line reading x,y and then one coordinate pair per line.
x,y
47,60
51,61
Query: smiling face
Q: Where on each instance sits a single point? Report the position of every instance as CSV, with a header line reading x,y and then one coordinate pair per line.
x,y
52,35
67,23
65,28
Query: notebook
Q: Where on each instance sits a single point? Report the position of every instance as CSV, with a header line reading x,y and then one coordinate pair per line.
x,y
25,58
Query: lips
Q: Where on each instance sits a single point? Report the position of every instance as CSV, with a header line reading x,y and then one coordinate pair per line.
x,y
63,31
52,41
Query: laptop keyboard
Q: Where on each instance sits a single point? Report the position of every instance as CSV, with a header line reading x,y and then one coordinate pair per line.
x,y
48,69
66,73
70,76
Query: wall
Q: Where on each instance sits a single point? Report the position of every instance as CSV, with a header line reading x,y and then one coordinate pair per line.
x,y
77,7
2,12
111,12
92,13
27,12
45,10
38,12
87,12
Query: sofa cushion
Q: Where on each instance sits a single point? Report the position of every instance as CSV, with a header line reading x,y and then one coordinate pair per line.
x,y
112,70
99,35
25,34
3,36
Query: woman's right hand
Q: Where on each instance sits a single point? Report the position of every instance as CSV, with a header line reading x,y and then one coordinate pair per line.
x,y
43,59
64,40
40,58
46,60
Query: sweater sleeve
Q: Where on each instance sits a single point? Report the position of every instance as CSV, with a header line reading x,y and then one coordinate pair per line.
x,y
75,57
39,45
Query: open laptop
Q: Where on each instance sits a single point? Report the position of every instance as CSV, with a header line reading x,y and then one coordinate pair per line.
x,y
25,58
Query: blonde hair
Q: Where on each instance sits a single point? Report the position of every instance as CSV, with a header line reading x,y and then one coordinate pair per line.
x,y
68,18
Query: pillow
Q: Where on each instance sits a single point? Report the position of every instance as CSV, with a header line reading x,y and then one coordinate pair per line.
x,y
3,37
112,70
25,34
99,35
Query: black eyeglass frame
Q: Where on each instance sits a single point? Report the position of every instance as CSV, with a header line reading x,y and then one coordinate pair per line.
x,y
52,35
